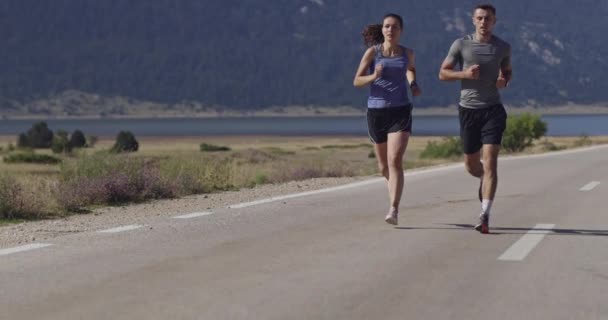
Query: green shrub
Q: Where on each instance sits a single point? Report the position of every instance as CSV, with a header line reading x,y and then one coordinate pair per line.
x,y
77,139
206,147
61,143
39,136
522,130
260,178
22,141
448,148
125,142
30,157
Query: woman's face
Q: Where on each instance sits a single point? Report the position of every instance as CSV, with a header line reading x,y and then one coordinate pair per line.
x,y
391,29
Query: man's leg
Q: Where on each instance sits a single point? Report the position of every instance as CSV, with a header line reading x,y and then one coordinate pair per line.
x,y
490,181
473,165
490,173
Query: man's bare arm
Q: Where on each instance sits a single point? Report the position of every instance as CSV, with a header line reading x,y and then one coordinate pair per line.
x,y
447,72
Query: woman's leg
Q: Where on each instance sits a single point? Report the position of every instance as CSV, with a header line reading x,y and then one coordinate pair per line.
x,y
396,145
381,156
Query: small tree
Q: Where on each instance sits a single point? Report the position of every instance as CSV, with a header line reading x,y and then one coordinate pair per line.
x,y
22,141
61,144
40,136
125,142
522,130
77,139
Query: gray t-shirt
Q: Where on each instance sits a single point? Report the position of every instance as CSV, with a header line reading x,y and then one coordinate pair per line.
x,y
490,57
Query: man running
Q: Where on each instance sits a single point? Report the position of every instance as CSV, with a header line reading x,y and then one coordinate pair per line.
x,y
485,67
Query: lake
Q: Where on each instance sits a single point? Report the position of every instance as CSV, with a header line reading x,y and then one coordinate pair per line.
x,y
558,125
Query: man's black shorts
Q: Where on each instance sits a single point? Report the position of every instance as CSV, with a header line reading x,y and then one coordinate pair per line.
x,y
481,126
381,122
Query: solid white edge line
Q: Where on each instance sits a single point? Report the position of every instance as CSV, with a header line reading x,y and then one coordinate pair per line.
x,y
520,249
590,186
343,187
553,153
409,173
193,215
121,229
27,247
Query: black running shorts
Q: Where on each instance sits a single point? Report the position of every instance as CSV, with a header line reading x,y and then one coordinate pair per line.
x,y
382,121
481,126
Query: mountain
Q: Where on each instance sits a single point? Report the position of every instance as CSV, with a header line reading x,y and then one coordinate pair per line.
x,y
252,54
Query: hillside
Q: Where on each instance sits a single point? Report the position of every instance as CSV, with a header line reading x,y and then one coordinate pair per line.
x,y
256,54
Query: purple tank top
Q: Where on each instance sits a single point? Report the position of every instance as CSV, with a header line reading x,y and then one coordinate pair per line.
x,y
390,90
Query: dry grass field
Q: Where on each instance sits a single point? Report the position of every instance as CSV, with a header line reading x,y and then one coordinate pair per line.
x,y
167,167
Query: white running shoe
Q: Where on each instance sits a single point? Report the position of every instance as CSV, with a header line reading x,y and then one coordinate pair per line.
x,y
391,217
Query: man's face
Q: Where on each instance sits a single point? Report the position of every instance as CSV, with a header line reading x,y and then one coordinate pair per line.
x,y
484,21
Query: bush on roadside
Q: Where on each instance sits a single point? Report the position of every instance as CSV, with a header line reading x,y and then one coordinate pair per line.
x,y
23,202
9,196
449,147
195,175
103,179
125,142
521,131
31,157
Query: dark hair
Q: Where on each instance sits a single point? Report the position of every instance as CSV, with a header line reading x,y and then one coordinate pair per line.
x,y
487,7
396,16
372,34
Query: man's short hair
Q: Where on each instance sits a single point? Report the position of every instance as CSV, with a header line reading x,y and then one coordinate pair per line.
x,y
487,7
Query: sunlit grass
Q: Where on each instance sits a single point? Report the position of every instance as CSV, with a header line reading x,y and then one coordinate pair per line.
x,y
166,167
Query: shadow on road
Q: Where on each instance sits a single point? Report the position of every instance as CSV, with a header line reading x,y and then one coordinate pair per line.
x,y
514,230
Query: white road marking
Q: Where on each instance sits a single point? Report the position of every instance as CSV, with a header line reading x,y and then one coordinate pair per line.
x,y
520,249
121,229
409,173
553,153
27,247
193,215
590,186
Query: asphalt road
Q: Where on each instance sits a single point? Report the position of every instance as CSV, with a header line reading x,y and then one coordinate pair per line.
x,y
329,255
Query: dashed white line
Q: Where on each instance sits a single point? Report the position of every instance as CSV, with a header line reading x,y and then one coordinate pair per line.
x,y
26,247
590,186
520,249
121,229
193,215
